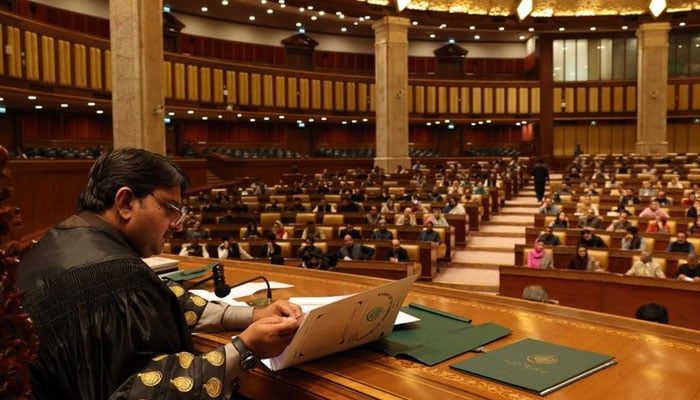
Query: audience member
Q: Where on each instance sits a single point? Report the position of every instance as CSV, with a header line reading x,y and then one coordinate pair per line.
x,y
563,191
560,222
373,217
346,205
297,205
689,271
194,249
407,218
324,207
538,257
388,207
590,220
350,230
397,253
652,312
587,207
273,206
354,251
428,234
381,233
646,267
632,240
453,207
629,199
229,248
548,208
197,232
694,210
681,244
271,250
549,238
658,225
622,223
312,231
439,219
583,261
279,231
662,199
653,211
251,230
695,227
311,256
590,239
537,293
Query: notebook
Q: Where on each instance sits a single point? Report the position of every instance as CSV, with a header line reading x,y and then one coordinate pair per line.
x,y
344,324
161,264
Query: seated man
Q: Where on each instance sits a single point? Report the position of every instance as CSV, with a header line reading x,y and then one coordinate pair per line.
x,y
382,233
681,244
324,207
350,230
354,251
240,206
407,218
312,231
590,239
590,221
227,219
348,206
297,205
549,238
438,219
429,234
548,208
271,250
653,211
274,206
197,232
622,223
646,267
311,256
397,253
194,249
373,216
689,271
229,248
652,312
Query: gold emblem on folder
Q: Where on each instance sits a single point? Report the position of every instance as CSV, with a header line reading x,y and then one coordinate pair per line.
x,y
215,358
183,383
213,387
542,359
150,379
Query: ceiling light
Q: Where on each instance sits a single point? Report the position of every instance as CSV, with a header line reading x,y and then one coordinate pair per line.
x,y
281,117
251,18
501,28
477,37
625,27
432,36
531,29
428,123
344,122
309,7
657,7
252,120
364,120
64,105
681,24
314,18
270,11
443,26
322,13
204,118
356,23
402,4
239,115
38,106
414,23
593,28
100,111
266,118
204,9
521,37
219,116
343,29
302,9
224,2
524,9
171,113
323,118
91,104
472,27
31,97
190,112
562,29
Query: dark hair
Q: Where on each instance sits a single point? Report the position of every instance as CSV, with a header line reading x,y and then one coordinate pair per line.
x,y
652,312
271,237
137,169
633,230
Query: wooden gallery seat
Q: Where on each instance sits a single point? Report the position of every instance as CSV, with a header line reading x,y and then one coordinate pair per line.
x,y
333,219
269,218
413,251
303,217
601,256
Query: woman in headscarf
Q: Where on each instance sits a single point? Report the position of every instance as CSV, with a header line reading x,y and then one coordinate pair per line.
x,y
584,262
279,231
538,257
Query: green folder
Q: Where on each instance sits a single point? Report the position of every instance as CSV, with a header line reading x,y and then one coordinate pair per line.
x,y
535,366
438,336
187,274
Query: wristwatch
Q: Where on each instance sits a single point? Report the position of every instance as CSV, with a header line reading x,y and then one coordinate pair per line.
x,y
248,359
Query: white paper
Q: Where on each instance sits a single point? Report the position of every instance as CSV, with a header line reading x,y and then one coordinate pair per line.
x,y
240,291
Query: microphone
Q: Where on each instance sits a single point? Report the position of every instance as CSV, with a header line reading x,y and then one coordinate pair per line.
x,y
222,289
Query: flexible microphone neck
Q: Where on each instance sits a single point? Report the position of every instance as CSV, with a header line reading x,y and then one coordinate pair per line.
x,y
221,289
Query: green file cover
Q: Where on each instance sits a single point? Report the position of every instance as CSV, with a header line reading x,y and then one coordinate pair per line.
x,y
438,336
187,274
535,366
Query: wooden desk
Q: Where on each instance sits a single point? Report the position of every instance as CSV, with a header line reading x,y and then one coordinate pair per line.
x,y
608,293
379,269
654,361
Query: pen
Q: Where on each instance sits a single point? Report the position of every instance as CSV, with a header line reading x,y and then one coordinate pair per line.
x,y
438,312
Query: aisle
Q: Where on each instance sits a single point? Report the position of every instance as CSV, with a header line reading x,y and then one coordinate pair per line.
x,y
475,267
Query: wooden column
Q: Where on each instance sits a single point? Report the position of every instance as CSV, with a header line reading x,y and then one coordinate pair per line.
x,y
137,74
544,134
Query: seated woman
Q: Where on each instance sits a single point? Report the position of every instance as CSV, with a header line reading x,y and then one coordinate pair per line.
x,y
582,261
279,231
560,222
538,257
695,227
251,231
632,240
659,225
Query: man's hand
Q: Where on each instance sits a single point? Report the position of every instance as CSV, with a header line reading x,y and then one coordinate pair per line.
x,y
280,308
269,336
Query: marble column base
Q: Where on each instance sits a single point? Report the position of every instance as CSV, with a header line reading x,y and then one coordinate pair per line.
x,y
389,164
651,148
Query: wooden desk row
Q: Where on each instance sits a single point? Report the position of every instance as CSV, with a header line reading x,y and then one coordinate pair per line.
x,y
428,250
619,261
608,293
365,374
603,208
661,240
541,221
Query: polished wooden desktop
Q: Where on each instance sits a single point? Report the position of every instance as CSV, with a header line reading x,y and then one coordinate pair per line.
x,y
654,361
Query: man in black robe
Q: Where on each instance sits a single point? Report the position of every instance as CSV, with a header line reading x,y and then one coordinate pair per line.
x,y
540,174
108,326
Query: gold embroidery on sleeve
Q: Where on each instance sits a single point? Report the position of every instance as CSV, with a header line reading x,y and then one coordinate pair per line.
x,y
178,290
185,359
215,358
190,317
151,378
198,301
183,383
159,357
213,387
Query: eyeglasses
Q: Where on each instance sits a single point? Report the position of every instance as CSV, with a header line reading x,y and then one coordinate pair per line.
x,y
172,211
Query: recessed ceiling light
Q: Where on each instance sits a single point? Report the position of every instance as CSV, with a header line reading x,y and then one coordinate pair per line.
x,y
266,118
219,116
521,37
625,27
593,28
38,106
252,120
281,117
344,122
302,9
681,24
64,105
531,29
309,7
100,111
91,104
432,36
472,27
224,2
501,28
204,117
298,24
239,115
477,37
204,9
171,113
443,26
190,112
414,23
323,118
311,120
428,123
31,97
356,23
364,120
270,11
354,121
251,18
314,18
562,29
341,16
343,29
322,13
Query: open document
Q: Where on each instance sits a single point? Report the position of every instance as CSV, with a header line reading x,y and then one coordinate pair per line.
x,y
346,323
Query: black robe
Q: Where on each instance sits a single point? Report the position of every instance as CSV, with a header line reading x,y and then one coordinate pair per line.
x,y
109,327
